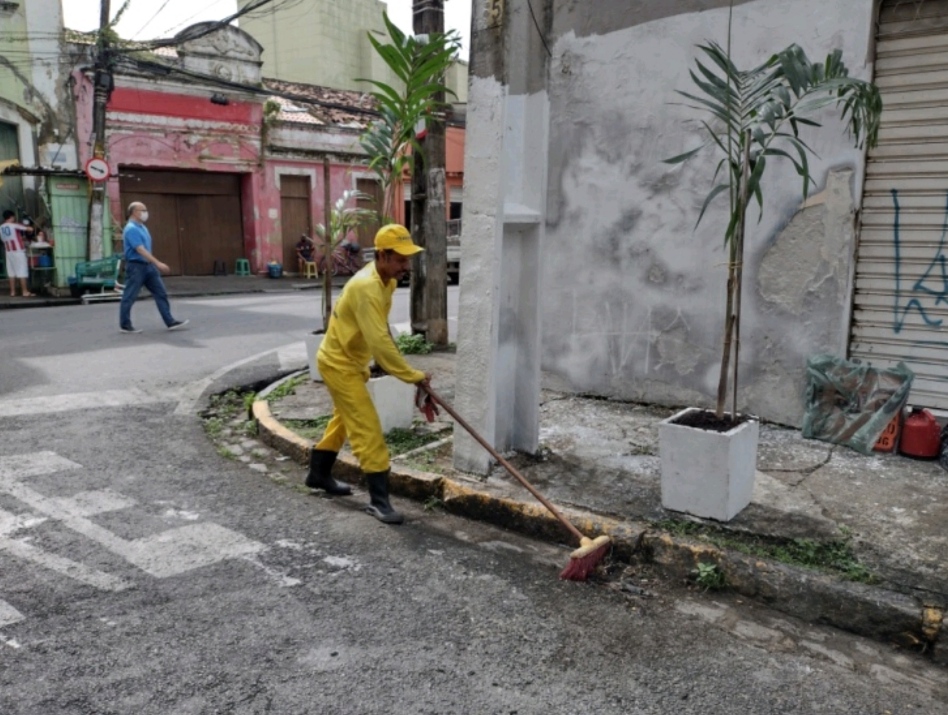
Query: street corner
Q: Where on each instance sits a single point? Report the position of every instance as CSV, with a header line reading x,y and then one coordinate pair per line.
x,y
272,433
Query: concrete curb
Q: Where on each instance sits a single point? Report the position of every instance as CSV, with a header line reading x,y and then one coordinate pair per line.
x,y
812,596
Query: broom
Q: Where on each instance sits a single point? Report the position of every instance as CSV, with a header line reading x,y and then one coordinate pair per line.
x,y
582,561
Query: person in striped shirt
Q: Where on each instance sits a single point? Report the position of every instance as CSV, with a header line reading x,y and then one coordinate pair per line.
x,y
14,244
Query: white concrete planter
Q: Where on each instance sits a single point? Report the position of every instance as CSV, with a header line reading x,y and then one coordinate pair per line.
x,y
705,473
313,341
394,401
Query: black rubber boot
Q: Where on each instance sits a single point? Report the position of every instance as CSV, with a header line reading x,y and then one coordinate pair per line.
x,y
379,506
320,473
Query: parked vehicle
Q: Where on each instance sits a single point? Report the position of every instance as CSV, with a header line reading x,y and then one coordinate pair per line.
x,y
453,252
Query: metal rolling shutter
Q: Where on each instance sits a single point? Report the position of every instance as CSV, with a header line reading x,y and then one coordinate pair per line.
x,y
901,292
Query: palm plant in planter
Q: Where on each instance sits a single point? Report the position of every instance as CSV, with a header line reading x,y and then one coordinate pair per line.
x,y
344,219
391,140
754,116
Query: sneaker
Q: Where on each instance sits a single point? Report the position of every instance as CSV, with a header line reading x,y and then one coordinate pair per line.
x,y
178,324
129,329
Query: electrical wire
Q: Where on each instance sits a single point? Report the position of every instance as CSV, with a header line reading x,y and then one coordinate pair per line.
x,y
539,31
212,27
150,20
184,23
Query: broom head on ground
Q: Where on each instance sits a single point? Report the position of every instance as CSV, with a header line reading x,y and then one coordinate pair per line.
x,y
584,560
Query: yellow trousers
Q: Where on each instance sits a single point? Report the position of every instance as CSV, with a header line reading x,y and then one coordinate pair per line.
x,y
353,416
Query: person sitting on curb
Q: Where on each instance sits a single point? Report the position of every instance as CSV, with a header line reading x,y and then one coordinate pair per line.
x,y
357,333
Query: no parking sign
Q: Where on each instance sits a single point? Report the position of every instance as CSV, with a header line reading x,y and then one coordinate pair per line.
x,y
97,169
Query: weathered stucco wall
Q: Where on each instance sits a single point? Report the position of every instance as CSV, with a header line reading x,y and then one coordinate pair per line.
x,y
633,294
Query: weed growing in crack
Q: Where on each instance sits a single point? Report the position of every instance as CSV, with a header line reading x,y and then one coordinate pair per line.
x,y
214,426
433,504
836,556
709,577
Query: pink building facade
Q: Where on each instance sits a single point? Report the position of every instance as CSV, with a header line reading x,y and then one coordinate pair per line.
x,y
228,170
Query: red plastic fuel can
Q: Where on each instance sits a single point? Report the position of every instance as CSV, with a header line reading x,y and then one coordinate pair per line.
x,y
921,436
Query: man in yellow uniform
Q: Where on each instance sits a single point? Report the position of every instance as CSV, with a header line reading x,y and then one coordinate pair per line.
x,y
358,332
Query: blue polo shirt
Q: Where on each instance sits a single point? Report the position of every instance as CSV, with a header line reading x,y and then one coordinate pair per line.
x,y
133,236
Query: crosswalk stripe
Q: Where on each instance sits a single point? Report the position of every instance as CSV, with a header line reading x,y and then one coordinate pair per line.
x,y
66,567
40,404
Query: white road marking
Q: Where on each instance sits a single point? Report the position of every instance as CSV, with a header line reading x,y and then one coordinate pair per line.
x,y
11,523
281,578
74,570
35,464
9,615
40,405
177,551
161,555
92,503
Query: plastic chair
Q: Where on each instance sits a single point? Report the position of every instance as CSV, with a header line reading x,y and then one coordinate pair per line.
x,y
219,268
242,267
309,269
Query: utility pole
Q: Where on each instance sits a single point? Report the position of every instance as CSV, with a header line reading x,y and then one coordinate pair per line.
x,y
429,288
102,82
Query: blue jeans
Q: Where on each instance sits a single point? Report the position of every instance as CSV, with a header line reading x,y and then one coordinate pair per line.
x,y
138,274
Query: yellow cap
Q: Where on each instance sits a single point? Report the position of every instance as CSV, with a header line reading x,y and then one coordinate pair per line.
x,y
396,238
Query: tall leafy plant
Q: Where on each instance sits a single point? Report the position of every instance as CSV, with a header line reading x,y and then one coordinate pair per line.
x,y
344,219
391,140
751,118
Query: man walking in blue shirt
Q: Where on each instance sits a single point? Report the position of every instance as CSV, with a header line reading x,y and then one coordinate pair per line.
x,y
142,269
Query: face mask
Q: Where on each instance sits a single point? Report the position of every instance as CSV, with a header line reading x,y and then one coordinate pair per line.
x,y
144,216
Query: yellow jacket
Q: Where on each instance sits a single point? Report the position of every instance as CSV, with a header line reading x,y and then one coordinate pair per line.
x,y
358,330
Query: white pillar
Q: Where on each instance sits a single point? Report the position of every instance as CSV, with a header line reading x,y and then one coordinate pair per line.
x,y
505,175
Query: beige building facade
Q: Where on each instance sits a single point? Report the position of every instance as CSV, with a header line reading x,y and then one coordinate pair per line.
x,y
325,43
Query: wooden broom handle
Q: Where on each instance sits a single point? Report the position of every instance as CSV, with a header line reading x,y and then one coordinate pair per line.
x,y
507,465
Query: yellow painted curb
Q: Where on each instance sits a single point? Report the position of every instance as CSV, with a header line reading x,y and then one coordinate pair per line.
x,y
885,614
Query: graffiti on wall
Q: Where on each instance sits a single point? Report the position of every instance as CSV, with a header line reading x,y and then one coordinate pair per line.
x,y
931,289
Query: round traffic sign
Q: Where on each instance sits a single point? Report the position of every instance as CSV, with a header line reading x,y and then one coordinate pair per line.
x,y
97,169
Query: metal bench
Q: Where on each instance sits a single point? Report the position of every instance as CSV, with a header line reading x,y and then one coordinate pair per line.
x,y
101,275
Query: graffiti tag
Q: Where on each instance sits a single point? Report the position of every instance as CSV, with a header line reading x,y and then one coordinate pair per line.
x,y
931,287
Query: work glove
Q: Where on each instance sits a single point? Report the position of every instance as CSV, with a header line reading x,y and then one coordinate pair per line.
x,y
426,404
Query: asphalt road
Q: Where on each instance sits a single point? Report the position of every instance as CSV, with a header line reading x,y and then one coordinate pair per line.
x,y
142,572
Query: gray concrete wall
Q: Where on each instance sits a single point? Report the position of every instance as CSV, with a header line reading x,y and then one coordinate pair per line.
x,y
580,251
633,294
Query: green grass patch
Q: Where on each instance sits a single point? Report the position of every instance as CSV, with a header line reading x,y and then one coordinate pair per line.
x,y
413,344
310,429
287,387
836,555
214,426
226,453
400,441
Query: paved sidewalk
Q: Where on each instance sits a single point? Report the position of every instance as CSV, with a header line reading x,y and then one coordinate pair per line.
x,y
181,287
600,463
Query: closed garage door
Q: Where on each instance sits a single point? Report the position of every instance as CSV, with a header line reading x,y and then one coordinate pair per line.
x,y
194,218
901,301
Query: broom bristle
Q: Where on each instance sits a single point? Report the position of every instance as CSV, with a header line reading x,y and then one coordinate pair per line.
x,y
584,560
